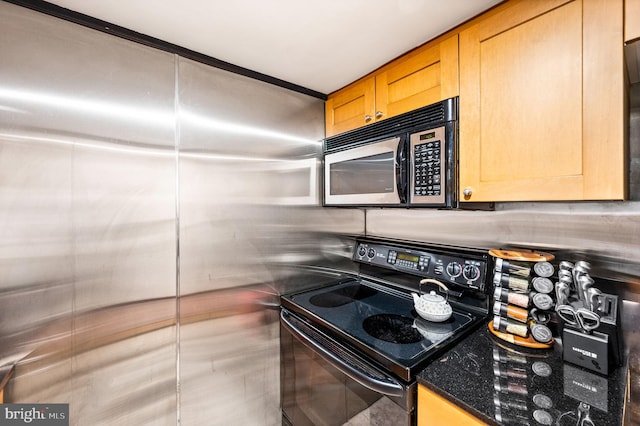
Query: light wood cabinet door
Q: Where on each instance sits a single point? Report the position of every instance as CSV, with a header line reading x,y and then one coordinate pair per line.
x,y
434,410
542,103
423,77
631,20
351,107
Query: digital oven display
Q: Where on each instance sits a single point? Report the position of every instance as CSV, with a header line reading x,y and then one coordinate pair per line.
x,y
409,257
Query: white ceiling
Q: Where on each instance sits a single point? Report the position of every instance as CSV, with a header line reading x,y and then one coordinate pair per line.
x,y
318,44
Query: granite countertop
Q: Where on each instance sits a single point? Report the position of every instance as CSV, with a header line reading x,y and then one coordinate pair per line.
x,y
503,384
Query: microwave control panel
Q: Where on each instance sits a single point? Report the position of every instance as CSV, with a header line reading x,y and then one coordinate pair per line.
x,y
463,270
427,166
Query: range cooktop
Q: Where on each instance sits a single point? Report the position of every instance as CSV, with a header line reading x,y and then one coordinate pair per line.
x,y
373,312
379,321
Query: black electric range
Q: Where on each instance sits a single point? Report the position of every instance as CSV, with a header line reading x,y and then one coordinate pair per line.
x,y
373,312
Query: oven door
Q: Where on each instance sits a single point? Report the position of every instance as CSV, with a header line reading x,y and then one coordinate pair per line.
x,y
325,383
373,174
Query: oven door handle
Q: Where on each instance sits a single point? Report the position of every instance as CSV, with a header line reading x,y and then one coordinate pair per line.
x,y
382,384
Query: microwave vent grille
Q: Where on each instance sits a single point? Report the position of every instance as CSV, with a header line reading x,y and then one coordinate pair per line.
x,y
420,118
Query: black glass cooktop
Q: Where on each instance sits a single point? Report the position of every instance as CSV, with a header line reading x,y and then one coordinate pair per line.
x,y
379,319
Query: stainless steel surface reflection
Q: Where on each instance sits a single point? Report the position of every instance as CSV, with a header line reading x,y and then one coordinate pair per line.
x,y
248,207
149,207
87,207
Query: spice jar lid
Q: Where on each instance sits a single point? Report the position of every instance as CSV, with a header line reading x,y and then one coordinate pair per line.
x,y
542,301
499,293
543,269
496,322
542,285
541,333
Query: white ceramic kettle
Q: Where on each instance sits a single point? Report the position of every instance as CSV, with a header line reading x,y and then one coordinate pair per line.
x,y
432,306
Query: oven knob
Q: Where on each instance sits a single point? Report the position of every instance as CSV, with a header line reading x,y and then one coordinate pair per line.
x,y
454,269
471,272
362,250
371,253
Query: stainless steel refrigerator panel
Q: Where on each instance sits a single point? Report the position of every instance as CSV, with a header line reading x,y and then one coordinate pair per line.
x,y
59,79
51,383
124,215
110,101
88,200
229,370
224,113
248,158
36,253
111,385
132,382
241,141
216,249
110,104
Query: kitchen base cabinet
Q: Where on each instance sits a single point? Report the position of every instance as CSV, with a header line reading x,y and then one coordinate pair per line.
x,y
435,410
425,76
542,95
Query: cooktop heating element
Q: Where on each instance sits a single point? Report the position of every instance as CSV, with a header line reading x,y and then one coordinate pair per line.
x,y
392,328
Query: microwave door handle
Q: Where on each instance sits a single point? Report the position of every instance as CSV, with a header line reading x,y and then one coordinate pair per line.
x,y
383,384
401,170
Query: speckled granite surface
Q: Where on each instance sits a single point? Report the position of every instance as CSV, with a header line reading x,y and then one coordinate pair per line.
x,y
506,385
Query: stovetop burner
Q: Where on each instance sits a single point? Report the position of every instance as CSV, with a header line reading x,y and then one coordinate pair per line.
x,y
342,296
392,328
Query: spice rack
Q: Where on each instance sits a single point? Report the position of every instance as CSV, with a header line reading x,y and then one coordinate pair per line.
x,y
523,297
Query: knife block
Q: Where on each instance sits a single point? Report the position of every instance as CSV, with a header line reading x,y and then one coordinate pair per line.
x,y
590,351
601,350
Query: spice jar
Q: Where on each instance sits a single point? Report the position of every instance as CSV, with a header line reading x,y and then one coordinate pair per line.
x,y
504,295
505,325
514,283
516,268
510,311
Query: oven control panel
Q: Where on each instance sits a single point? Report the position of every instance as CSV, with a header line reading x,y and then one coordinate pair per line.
x,y
458,268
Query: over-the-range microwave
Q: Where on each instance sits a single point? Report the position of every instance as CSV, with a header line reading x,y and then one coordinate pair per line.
x,y
405,161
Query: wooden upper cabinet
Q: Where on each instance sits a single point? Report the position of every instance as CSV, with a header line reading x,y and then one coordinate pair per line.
x,y
351,107
420,79
425,76
631,20
542,102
